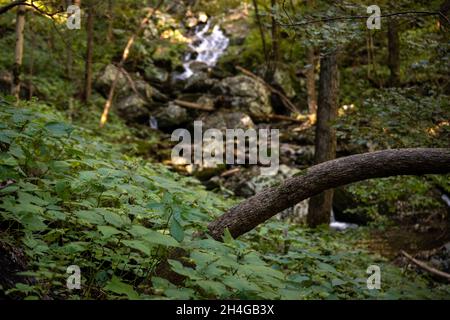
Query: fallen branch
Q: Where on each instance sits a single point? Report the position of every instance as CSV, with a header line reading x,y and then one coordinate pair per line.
x,y
125,54
426,267
230,172
328,175
278,117
193,105
11,5
288,103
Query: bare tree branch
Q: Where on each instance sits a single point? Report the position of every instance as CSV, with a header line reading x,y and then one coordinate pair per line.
x,y
365,17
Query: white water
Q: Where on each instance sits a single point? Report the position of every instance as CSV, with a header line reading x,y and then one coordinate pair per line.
x,y
340,226
209,46
446,199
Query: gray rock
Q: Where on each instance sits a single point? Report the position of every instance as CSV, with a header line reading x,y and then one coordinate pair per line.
x,y
200,82
133,109
207,101
171,116
282,79
156,75
224,119
124,85
246,94
106,79
145,90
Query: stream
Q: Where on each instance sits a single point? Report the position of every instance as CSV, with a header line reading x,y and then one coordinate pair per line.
x,y
208,44
207,47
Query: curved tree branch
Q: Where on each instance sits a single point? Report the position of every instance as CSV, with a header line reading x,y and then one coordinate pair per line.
x,y
11,5
365,17
331,174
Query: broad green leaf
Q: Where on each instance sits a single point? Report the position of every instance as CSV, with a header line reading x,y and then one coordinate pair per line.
x,y
90,216
58,129
337,282
108,231
176,230
113,218
152,236
138,245
184,271
180,293
75,247
212,287
240,284
121,288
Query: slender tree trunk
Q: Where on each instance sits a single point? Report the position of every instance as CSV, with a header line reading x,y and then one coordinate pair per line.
x,y
18,56
444,18
275,56
394,53
311,75
31,67
328,175
89,53
261,30
110,35
320,206
311,81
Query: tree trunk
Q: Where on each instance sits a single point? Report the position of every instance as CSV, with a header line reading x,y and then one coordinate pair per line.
x,y
331,174
89,53
18,56
394,53
311,74
275,56
443,18
110,35
311,81
320,206
31,67
261,30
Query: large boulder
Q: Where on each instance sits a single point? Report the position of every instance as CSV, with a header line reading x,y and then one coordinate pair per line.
x,y
125,84
246,94
282,79
200,82
107,78
220,120
292,154
224,119
156,75
133,109
170,116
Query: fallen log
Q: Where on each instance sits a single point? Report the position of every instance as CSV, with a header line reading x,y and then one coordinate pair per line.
x,y
193,105
426,267
328,175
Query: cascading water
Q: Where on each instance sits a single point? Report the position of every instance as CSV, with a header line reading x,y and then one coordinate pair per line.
x,y
208,46
340,226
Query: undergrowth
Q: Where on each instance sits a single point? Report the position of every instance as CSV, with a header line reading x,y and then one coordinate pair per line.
x,y
75,199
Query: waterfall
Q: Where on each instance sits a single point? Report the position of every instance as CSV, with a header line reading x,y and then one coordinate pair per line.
x,y
209,47
340,226
446,199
